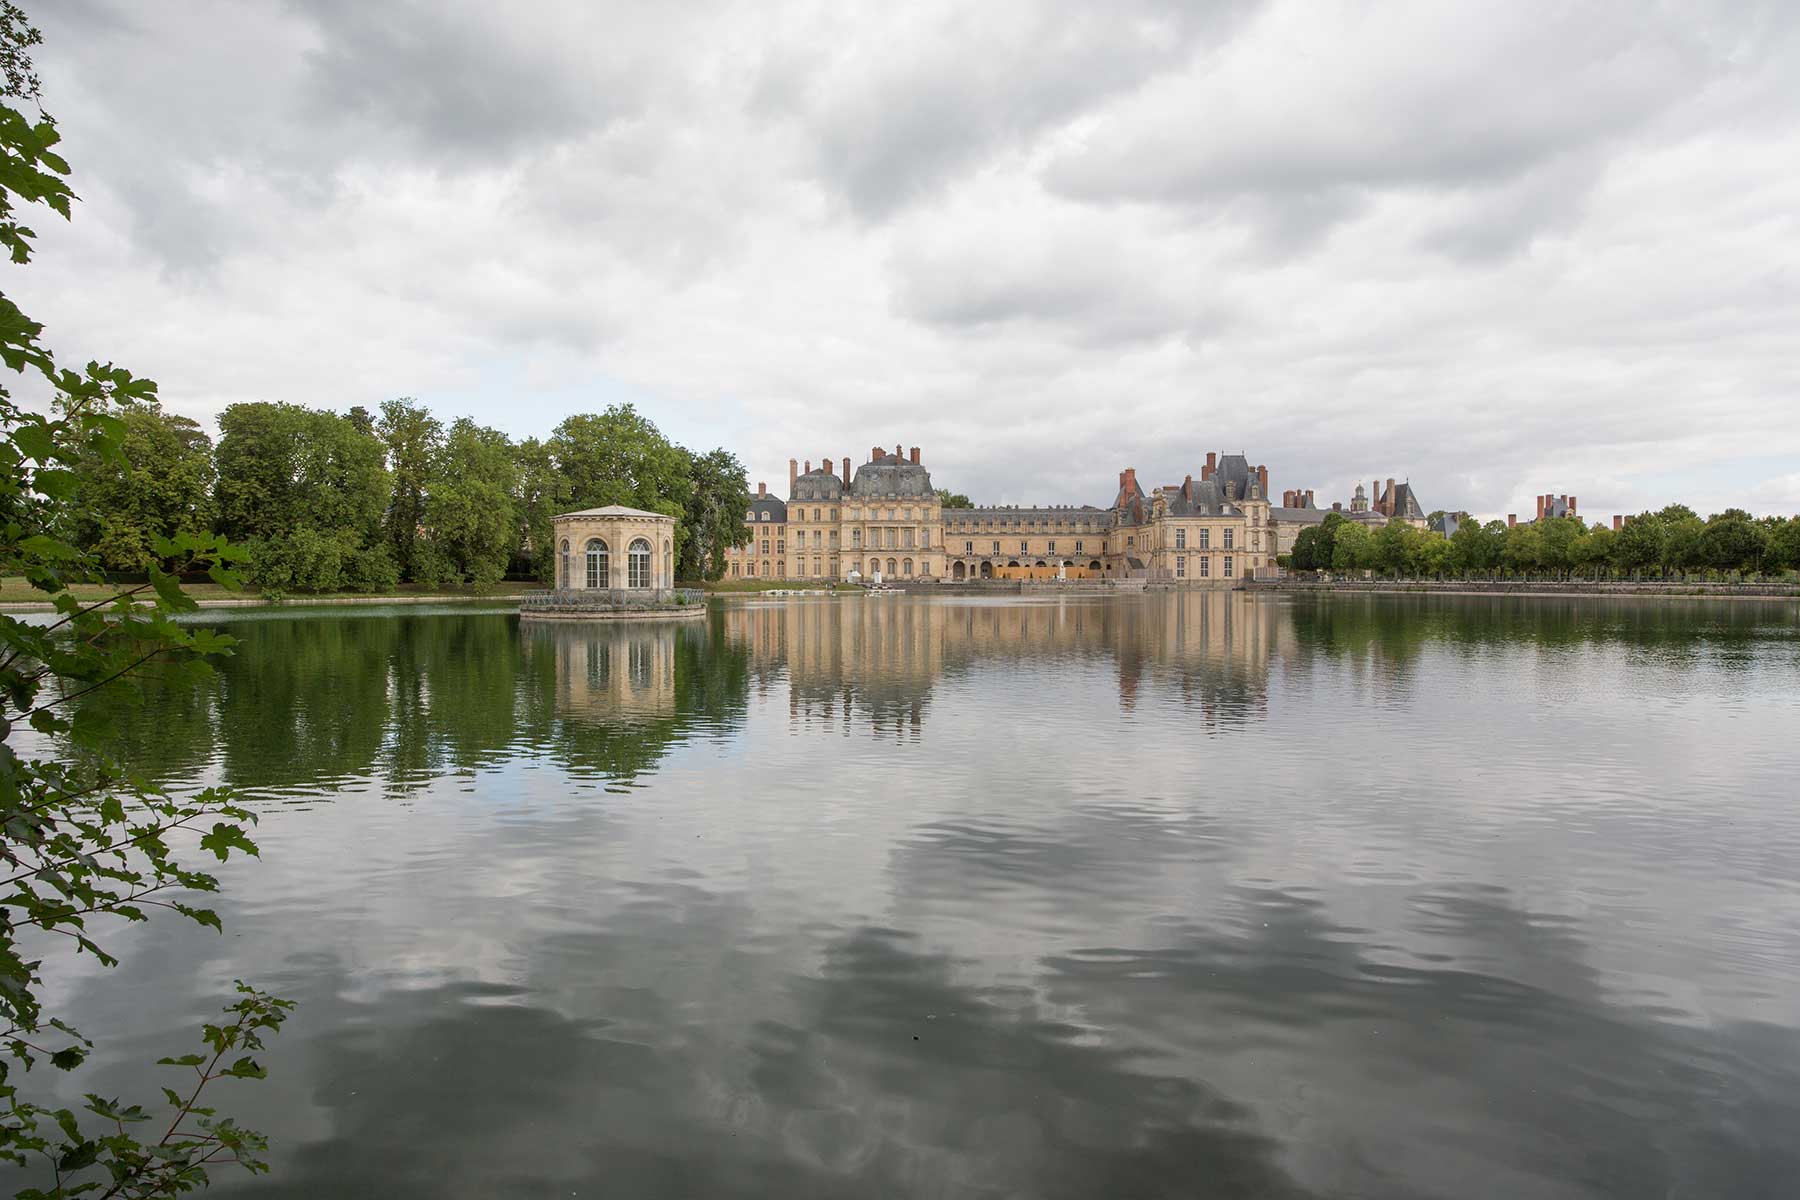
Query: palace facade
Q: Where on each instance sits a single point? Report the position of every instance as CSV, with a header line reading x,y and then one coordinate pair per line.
x,y
884,521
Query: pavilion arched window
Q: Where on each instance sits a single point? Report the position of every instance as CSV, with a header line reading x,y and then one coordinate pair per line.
x,y
598,564
638,563
562,574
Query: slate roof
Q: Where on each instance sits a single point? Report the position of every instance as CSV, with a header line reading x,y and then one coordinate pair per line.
x,y
817,484
891,475
1299,516
1199,498
1234,469
1406,504
1447,524
758,505
615,510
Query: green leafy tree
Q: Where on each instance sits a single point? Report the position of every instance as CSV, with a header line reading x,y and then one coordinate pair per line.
x,y
1784,545
1475,549
1556,540
1390,548
540,491
1681,543
84,840
1353,547
160,488
1305,556
1733,541
305,492
469,519
1639,544
950,499
619,457
714,520
1592,553
1325,548
413,439
1523,549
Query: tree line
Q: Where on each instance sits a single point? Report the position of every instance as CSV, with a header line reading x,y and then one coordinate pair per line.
x,y
1673,543
360,501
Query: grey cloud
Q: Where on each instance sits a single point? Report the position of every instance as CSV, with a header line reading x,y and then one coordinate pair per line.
x,y
892,122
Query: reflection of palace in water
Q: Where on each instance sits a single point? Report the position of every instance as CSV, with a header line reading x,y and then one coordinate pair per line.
x,y
883,657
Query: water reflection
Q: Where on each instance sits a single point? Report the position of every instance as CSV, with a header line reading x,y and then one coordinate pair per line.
x,y
1174,895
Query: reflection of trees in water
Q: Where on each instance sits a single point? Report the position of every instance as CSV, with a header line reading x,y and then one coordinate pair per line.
x,y
315,702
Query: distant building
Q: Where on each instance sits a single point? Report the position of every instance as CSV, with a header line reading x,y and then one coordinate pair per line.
x,y
884,520
1547,506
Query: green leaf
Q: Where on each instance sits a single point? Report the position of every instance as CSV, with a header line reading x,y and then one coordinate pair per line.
x,y
224,838
68,1059
185,1060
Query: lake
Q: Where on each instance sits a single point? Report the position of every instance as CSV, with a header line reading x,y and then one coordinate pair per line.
x,y
1194,894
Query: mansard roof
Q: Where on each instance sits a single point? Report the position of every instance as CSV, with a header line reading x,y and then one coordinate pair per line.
x,y
817,484
891,475
1406,504
771,505
1307,515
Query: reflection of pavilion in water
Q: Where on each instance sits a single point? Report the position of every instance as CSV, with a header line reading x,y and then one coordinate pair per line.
x,y
612,670
882,657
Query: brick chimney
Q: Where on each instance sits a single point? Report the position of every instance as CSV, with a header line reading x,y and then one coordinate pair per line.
x,y
846,470
1618,522
1389,510
899,452
1512,519
762,490
915,456
808,470
1309,497
1212,464
1572,511
1540,508
1262,480
1187,486
793,474
875,452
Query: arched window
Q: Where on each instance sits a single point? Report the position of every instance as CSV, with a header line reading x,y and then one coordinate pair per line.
x,y
668,563
598,568
874,566
890,569
906,567
562,574
638,559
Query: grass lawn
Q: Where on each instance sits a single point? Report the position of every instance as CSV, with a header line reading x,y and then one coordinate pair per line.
x,y
14,590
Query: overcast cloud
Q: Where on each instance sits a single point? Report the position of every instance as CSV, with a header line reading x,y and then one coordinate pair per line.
x,y
1498,249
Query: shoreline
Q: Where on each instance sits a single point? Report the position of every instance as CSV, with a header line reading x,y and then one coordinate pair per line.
x,y
291,601
1564,591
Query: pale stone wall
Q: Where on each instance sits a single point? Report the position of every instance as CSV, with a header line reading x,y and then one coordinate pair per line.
x,y
616,536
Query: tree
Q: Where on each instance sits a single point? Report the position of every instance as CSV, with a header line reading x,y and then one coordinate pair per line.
x,y
1556,539
714,520
1523,550
161,487
1390,550
1352,547
305,493
1325,548
1475,548
1593,551
540,491
83,839
468,513
1681,542
1733,541
1305,554
1640,543
950,499
619,457
412,438
1784,545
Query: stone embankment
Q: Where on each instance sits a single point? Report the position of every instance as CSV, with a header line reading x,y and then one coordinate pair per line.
x,y
1489,587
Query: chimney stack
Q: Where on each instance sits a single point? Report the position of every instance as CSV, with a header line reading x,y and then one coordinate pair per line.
x,y
793,474
899,452
915,456
1572,511
1309,497
1389,510
808,470
846,470
1618,522
1262,480
1212,464
762,490
1512,519
1540,508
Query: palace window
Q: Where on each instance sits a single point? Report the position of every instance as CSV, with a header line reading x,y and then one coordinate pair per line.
x,y
598,574
925,539
1228,534
749,514
834,539
780,545
815,514
1024,546
1051,547
638,560
856,539
1228,566
1206,539
1181,566
996,547
562,575
906,567
968,547
1078,546
1205,565
1181,539
1131,539
734,569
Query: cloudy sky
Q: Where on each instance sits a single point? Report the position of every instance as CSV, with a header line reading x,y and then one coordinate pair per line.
x,y
1498,249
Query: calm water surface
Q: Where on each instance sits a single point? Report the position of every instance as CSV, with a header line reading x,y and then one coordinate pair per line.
x,y
1197,895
